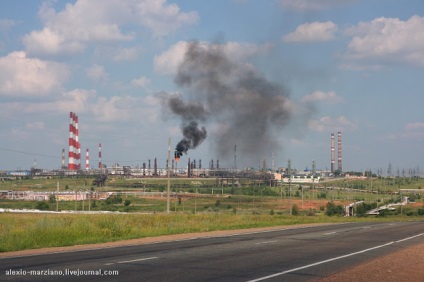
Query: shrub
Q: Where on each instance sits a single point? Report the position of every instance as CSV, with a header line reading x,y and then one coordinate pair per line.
x,y
42,206
127,203
322,195
333,209
113,200
295,210
52,198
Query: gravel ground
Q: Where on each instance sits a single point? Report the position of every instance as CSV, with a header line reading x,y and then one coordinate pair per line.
x,y
404,265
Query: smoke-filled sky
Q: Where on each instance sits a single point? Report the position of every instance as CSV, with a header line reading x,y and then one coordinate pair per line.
x,y
275,78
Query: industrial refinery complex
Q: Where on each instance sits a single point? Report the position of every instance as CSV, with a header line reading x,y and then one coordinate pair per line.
x,y
74,164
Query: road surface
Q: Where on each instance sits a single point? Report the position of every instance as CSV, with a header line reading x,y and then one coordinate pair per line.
x,y
286,254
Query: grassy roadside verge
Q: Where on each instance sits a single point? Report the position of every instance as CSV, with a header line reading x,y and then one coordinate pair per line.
x,y
33,231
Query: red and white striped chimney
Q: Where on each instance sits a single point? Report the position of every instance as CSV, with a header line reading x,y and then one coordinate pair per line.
x,y
78,145
339,152
87,159
72,143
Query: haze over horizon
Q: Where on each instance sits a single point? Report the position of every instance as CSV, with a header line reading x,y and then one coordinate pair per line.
x,y
275,78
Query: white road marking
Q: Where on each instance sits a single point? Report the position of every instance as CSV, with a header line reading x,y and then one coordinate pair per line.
x,y
412,237
266,242
332,259
134,260
318,263
330,233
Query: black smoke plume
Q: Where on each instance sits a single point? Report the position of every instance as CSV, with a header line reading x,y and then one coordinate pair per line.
x,y
190,114
249,110
193,136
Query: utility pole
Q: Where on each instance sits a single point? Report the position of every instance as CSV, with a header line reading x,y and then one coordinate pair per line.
x,y
57,196
290,195
235,157
314,168
168,190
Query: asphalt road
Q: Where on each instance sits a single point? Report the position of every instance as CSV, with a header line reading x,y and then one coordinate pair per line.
x,y
287,254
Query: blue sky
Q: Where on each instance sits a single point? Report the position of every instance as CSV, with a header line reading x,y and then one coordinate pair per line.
x,y
354,66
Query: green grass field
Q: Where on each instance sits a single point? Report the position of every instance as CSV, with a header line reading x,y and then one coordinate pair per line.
x,y
220,209
31,231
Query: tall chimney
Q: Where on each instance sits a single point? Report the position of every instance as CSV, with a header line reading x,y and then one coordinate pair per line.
x,y
332,152
339,151
100,155
78,145
63,159
87,160
155,168
72,142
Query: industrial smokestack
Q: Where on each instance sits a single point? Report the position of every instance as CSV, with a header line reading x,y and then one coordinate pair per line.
x,y
87,159
149,168
72,152
332,152
63,159
339,151
100,155
78,145
155,168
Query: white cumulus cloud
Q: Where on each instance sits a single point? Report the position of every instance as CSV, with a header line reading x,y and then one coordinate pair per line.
x,y
385,41
97,73
78,24
24,76
126,54
312,32
142,81
415,126
329,97
328,124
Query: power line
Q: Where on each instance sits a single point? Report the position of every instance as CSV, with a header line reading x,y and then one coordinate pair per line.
x,y
28,153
